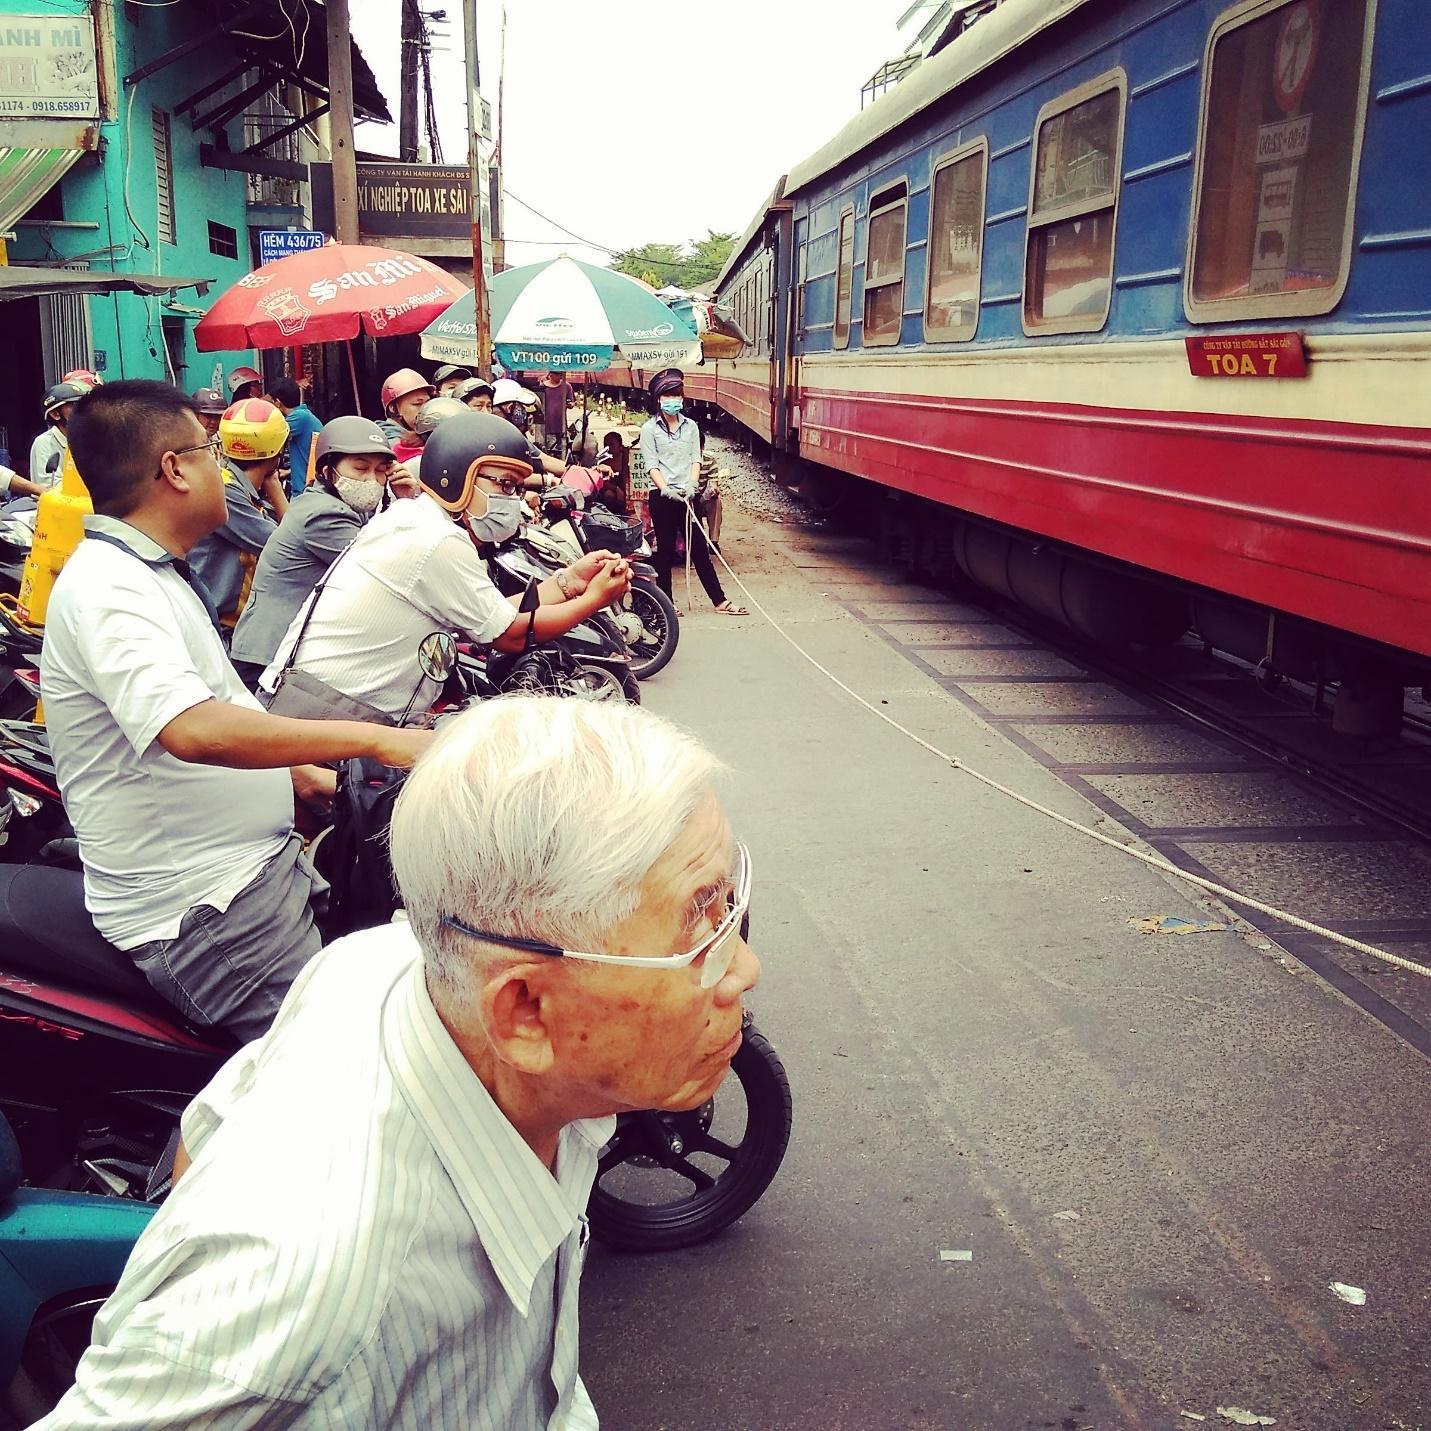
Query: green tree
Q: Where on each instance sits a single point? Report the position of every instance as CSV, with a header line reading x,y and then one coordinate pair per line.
x,y
690,265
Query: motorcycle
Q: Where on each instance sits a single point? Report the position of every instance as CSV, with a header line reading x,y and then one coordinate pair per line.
x,y
602,659
646,617
98,1069
60,1254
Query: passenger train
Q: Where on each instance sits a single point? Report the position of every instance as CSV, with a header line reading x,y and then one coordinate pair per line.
x,y
1130,302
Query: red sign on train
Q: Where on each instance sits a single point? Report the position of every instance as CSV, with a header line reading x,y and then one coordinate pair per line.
x,y
1248,355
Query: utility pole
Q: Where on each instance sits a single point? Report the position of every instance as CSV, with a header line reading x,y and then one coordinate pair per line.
x,y
407,83
494,164
340,123
474,161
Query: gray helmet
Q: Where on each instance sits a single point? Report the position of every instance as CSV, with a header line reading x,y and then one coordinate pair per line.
x,y
436,410
349,437
450,370
473,385
61,395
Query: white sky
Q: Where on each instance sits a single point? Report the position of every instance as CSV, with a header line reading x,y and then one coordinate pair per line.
x,y
746,89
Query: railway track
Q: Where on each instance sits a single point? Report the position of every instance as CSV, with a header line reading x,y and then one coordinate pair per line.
x,y
1224,777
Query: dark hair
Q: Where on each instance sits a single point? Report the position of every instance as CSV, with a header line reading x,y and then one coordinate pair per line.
x,y
286,391
118,433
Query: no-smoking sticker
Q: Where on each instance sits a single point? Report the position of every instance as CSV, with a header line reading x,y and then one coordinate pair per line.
x,y
1294,54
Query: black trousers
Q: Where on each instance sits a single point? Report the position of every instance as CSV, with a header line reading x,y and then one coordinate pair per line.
x,y
668,517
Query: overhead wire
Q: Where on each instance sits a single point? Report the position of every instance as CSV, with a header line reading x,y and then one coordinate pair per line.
x,y
1147,857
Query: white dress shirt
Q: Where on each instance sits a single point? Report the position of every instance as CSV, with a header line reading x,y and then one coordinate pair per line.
x,y
411,571
129,646
363,1239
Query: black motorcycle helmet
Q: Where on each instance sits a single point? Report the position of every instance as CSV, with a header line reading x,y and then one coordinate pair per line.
x,y
460,446
347,437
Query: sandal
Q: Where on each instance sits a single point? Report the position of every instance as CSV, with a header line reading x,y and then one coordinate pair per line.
x,y
729,608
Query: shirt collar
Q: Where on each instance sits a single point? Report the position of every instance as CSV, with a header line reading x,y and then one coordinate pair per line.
x,y
521,1212
142,545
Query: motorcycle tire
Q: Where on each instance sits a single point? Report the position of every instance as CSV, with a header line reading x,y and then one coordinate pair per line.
x,y
643,1139
657,613
604,683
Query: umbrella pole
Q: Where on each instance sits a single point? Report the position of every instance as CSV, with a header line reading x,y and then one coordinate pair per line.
x,y
353,373
585,382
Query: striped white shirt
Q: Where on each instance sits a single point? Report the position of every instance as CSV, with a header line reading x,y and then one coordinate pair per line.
x,y
363,1239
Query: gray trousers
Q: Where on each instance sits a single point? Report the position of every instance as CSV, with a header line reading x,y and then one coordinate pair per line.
x,y
231,969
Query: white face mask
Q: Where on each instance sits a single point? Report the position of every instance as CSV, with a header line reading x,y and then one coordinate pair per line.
x,y
500,521
362,494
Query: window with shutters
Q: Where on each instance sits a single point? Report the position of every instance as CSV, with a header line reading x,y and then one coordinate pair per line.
x,y
845,277
163,174
956,244
1073,209
1283,109
223,240
884,268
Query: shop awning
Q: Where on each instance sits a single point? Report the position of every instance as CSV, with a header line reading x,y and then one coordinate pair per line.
x,y
26,281
26,175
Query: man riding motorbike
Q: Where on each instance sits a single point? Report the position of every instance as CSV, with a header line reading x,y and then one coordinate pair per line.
x,y
252,436
404,393
415,570
180,787
354,475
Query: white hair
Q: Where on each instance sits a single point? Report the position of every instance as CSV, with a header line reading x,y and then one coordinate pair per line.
x,y
538,817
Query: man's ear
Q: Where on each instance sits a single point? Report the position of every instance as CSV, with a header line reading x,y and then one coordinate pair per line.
x,y
171,472
514,1014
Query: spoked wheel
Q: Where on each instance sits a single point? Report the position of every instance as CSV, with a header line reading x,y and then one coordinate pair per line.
x,y
654,645
603,683
668,1180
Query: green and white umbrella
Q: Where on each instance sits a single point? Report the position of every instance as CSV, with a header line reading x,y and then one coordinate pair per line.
x,y
566,316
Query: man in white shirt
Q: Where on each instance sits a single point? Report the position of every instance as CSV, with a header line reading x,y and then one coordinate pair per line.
x,y
382,1225
178,784
415,569
47,451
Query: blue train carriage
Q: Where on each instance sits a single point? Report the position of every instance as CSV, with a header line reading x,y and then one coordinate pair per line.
x,y
1151,279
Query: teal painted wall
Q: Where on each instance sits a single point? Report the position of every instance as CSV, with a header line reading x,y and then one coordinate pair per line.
x,y
127,327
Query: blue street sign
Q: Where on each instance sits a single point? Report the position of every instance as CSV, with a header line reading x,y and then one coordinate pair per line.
x,y
279,243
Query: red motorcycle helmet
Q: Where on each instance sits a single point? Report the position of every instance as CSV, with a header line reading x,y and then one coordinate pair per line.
x,y
400,384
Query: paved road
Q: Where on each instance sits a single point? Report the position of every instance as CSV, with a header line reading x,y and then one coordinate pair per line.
x,y
1159,1151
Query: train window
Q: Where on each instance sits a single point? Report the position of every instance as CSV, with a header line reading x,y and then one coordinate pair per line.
x,y
884,268
956,243
845,278
1283,106
1073,207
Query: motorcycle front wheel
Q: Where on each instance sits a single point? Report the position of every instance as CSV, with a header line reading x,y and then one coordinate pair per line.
x,y
661,629
669,1180
603,683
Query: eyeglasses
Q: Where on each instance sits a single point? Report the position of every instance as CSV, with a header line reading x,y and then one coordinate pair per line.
x,y
718,948
508,486
214,445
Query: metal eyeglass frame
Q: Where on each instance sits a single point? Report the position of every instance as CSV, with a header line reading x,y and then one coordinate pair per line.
x,y
712,972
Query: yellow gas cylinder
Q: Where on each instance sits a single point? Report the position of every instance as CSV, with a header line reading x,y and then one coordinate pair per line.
x,y
59,529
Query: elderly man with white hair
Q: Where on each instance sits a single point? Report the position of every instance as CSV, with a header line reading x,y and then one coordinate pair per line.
x,y
382,1224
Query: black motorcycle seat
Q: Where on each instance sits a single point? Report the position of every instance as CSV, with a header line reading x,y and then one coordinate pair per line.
x,y
46,932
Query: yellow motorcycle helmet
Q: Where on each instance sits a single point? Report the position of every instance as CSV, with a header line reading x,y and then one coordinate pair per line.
x,y
252,430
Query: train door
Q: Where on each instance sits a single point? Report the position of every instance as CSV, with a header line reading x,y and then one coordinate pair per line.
x,y
795,336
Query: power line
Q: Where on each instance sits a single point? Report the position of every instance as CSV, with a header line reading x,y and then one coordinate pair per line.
x,y
682,265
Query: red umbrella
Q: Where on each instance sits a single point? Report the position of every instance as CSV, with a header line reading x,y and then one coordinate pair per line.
x,y
326,294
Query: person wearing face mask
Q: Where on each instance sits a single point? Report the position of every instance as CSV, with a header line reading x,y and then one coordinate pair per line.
x,y
671,449
515,403
415,569
354,476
